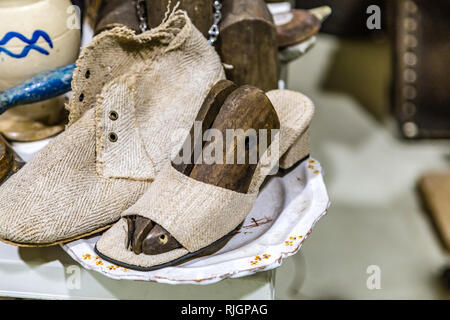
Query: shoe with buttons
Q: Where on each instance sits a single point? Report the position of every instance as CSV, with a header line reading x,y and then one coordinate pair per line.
x,y
132,94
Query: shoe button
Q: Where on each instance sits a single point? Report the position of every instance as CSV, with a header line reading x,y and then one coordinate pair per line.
x,y
113,137
113,115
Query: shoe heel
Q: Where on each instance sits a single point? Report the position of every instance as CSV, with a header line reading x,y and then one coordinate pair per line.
x,y
298,151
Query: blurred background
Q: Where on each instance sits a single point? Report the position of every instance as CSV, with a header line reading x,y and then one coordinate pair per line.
x,y
381,133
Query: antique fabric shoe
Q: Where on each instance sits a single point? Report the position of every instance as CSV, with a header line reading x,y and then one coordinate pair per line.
x,y
120,133
188,210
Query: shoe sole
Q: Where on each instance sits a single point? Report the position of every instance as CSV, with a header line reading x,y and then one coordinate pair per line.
x,y
43,245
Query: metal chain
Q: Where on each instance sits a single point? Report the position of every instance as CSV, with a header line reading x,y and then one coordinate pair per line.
x,y
213,31
141,15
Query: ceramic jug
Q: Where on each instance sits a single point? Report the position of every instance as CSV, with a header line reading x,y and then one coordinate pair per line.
x,y
35,36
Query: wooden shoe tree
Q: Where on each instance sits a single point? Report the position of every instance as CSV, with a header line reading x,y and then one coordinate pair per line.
x,y
248,44
226,107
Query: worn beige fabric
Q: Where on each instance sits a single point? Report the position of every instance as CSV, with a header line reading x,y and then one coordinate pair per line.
x,y
167,96
295,112
118,51
175,197
126,157
83,180
198,214
299,150
58,194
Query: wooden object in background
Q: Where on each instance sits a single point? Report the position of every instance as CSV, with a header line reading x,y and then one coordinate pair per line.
x,y
421,68
200,12
302,26
435,189
248,44
10,162
112,13
295,26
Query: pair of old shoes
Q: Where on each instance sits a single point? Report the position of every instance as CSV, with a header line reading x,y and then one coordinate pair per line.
x,y
131,94
134,99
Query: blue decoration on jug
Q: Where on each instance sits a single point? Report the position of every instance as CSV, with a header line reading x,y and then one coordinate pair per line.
x,y
31,43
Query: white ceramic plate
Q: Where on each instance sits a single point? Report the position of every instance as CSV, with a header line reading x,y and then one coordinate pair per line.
x,y
282,218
